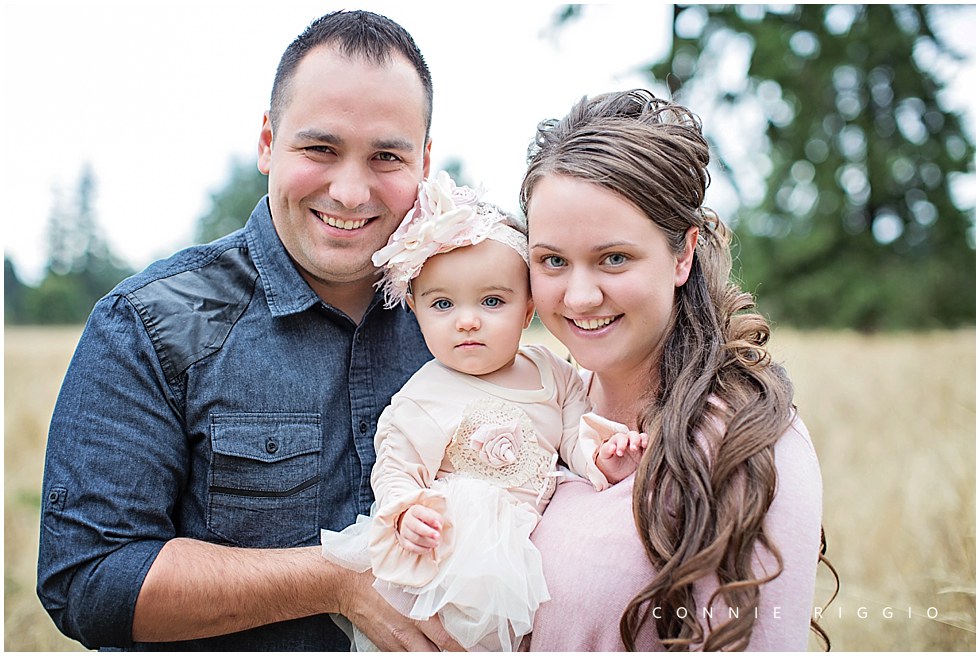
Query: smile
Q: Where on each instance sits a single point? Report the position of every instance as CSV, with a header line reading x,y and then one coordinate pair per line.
x,y
340,223
593,324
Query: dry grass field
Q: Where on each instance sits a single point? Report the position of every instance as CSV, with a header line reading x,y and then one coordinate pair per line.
x,y
893,418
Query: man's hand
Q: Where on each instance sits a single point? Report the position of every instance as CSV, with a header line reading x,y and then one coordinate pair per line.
x,y
420,529
619,456
388,629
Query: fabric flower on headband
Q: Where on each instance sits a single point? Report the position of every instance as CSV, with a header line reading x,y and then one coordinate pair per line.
x,y
445,217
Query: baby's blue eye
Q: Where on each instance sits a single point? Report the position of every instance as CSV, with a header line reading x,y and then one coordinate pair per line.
x,y
442,304
493,302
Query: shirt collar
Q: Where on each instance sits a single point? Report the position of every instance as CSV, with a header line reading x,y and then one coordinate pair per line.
x,y
285,289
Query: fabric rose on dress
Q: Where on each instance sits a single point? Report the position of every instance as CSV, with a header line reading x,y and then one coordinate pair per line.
x,y
497,445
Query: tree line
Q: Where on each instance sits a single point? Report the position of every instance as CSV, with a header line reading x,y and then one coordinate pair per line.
x,y
80,269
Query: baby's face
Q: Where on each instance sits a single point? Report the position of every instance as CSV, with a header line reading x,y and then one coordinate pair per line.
x,y
472,304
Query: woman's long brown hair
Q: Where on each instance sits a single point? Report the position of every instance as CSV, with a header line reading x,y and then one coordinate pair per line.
x,y
716,403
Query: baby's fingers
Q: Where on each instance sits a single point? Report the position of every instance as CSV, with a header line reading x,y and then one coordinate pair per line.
x,y
417,536
427,516
618,444
421,529
637,441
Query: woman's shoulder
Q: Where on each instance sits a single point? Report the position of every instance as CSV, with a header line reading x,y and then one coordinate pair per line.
x,y
795,447
798,478
799,485
794,442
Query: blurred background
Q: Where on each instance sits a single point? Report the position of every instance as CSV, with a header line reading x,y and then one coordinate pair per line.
x,y
843,156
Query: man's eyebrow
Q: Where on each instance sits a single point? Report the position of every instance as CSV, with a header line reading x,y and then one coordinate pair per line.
x,y
320,136
395,143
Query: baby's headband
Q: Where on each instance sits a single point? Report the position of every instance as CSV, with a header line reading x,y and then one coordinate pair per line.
x,y
445,217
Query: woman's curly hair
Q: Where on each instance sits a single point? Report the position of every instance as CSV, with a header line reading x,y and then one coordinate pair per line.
x,y
698,514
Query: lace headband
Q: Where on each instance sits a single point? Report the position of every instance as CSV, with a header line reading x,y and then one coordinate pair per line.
x,y
445,217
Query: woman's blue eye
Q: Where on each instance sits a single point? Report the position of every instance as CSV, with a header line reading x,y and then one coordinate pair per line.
x,y
442,304
616,259
554,261
493,302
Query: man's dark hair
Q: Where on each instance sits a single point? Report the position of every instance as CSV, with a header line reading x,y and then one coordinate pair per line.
x,y
353,33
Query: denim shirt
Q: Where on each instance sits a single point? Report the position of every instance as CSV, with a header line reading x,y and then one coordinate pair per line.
x,y
212,396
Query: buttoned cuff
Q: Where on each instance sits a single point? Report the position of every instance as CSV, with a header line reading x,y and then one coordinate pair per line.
x,y
103,595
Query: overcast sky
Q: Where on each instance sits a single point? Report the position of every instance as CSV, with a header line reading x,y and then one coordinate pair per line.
x,y
159,97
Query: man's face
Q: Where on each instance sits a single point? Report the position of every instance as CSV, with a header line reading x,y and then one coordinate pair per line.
x,y
344,162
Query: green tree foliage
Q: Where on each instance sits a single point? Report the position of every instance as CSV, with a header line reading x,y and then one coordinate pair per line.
x,y
853,220
81,267
14,292
233,203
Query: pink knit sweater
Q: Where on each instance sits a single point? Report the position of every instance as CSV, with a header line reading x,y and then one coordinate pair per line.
x,y
594,562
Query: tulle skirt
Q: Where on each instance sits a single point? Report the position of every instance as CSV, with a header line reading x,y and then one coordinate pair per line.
x,y
487,590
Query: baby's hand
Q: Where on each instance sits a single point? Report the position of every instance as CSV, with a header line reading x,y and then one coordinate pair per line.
x,y
618,456
420,528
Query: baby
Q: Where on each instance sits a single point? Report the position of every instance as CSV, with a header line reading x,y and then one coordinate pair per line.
x,y
467,450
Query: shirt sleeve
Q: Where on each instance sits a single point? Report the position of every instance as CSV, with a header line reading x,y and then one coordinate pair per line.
x,y
793,527
410,445
115,462
579,440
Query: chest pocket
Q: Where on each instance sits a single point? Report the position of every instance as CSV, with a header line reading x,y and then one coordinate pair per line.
x,y
263,480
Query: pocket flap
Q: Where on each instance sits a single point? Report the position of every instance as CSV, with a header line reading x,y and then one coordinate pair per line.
x,y
268,437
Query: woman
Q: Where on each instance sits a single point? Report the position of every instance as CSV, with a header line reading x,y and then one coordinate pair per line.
x,y
713,544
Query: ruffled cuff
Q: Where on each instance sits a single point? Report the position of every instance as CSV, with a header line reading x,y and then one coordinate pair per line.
x,y
390,560
593,430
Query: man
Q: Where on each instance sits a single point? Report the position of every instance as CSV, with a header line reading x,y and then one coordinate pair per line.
x,y
221,405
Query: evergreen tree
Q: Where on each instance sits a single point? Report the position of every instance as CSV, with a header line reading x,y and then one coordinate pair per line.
x,y
14,294
233,203
830,131
851,218
81,267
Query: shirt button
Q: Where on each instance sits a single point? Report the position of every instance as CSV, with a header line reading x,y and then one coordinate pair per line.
x,y
363,427
271,446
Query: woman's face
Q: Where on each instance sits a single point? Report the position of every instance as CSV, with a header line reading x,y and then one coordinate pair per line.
x,y
603,275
